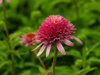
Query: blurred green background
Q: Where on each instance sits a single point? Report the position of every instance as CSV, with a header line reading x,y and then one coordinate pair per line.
x,y
24,16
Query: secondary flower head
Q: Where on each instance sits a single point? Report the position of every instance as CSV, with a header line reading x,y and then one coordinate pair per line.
x,y
29,38
55,28
7,1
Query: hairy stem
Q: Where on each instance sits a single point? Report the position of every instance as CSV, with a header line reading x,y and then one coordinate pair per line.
x,y
54,59
8,40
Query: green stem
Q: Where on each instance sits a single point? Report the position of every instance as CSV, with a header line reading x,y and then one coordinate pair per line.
x,y
40,61
29,5
84,57
77,11
33,57
8,39
2,34
54,59
6,27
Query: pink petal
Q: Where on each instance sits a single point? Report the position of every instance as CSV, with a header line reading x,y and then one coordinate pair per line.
x,y
0,1
37,46
60,47
33,43
67,42
27,45
8,0
42,49
20,41
45,42
73,37
48,50
37,40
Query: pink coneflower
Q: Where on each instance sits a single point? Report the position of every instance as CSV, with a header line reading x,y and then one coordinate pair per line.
x,y
29,38
7,1
55,28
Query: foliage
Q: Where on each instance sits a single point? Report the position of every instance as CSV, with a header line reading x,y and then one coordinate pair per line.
x,y
24,16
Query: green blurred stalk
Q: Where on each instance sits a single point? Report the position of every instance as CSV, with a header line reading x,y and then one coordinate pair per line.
x,y
84,56
29,5
33,57
54,59
21,6
6,27
77,12
8,40
40,61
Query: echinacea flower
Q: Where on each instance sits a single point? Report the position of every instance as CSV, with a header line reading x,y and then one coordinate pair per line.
x,y
7,1
55,28
29,38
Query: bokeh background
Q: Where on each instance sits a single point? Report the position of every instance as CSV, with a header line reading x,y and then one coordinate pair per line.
x,y
24,16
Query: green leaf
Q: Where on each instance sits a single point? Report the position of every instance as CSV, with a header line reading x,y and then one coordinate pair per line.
x,y
78,62
74,53
94,60
30,72
48,71
92,48
84,71
2,27
63,70
3,63
14,4
35,14
15,38
41,69
31,64
17,53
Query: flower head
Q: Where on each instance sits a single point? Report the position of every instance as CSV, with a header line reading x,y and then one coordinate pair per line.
x,y
29,38
55,28
7,1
